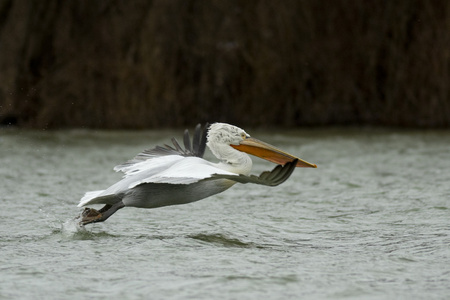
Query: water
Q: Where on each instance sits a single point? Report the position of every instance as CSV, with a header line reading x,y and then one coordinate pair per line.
x,y
372,222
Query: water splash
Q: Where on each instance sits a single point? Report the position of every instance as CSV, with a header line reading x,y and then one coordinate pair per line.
x,y
72,230
71,227
68,229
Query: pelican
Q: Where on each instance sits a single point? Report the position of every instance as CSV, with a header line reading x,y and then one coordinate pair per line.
x,y
170,175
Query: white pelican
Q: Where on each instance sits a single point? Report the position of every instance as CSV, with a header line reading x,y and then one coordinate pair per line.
x,y
166,175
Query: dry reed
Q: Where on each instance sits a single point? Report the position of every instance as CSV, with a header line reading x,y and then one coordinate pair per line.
x,y
166,63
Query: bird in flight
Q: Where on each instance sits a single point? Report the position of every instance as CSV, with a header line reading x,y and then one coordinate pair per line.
x,y
170,175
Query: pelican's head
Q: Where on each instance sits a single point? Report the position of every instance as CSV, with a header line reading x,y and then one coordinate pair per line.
x,y
221,134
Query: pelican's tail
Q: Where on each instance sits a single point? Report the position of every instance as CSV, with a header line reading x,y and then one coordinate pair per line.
x,y
98,197
88,197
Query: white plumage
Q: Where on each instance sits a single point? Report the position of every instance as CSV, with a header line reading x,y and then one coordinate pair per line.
x,y
167,176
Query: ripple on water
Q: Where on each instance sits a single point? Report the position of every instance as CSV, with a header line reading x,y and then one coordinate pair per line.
x,y
222,240
370,222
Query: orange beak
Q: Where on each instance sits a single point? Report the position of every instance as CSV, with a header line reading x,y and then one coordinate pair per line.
x,y
268,152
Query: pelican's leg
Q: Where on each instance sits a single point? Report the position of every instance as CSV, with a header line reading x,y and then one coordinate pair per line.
x,y
90,215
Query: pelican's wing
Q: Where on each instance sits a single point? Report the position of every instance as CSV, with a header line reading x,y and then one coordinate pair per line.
x,y
272,178
182,171
196,148
135,174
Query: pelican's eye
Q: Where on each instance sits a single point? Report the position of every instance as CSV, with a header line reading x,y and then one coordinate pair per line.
x,y
243,136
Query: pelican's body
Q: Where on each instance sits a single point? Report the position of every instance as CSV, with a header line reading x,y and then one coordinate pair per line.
x,y
151,187
168,176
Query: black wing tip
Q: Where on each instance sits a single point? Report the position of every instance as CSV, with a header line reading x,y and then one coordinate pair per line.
x,y
195,147
275,177
203,138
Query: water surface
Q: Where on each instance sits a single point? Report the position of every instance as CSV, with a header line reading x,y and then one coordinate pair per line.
x,y
372,222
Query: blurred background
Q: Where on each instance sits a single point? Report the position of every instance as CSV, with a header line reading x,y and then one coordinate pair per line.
x,y
169,63
341,78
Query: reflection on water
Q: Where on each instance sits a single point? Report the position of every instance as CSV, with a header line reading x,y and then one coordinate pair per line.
x,y
370,222
221,240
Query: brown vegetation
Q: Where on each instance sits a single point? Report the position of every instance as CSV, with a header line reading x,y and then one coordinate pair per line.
x,y
161,63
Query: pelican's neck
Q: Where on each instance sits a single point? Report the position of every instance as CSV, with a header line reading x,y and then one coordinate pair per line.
x,y
232,160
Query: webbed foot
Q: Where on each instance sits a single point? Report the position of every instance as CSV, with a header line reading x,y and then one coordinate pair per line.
x,y
90,215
